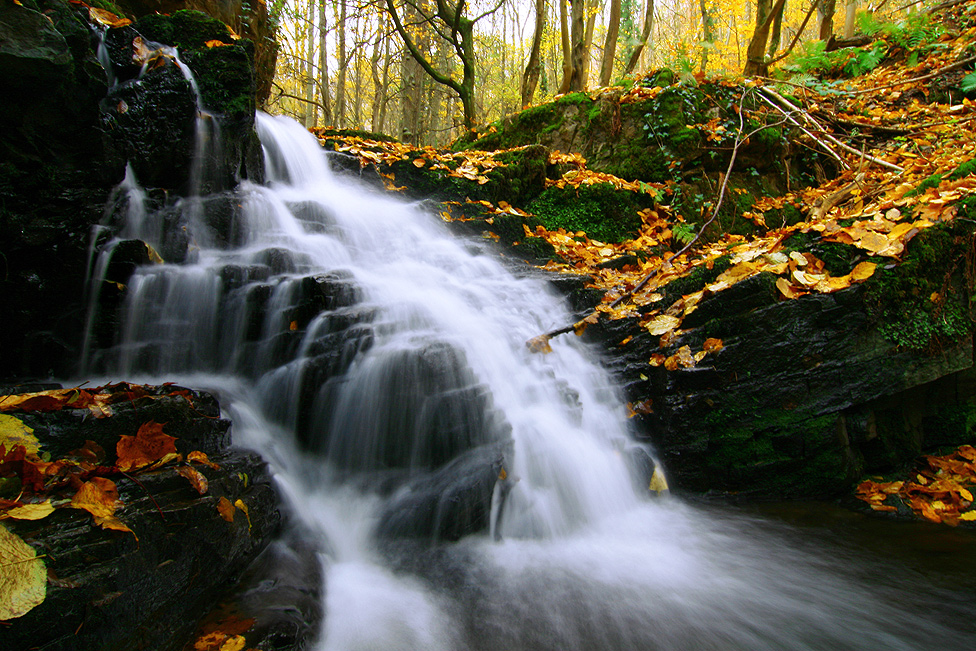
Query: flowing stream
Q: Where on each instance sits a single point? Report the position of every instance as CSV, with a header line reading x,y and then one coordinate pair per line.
x,y
379,364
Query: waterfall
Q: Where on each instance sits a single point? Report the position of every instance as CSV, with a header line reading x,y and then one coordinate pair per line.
x,y
467,494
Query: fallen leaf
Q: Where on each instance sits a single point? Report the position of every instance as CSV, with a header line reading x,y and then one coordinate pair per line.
x,y
195,477
226,509
23,577
100,497
201,457
14,432
539,344
662,323
148,447
863,271
37,511
243,507
712,345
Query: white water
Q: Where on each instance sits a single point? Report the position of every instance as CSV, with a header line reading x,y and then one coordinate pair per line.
x,y
584,561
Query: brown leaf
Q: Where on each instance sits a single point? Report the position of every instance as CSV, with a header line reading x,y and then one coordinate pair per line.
x,y
200,457
100,497
226,509
195,477
148,447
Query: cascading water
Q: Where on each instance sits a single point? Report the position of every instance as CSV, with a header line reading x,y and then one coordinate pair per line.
x,y
379,364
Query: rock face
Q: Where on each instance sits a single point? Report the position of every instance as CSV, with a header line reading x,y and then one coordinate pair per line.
x,y
68,126
808,395
112,589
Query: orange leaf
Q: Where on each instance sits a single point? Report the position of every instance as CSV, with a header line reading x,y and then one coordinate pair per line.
x,y
226,509
195,477
200,457
712,345
100,497
148,447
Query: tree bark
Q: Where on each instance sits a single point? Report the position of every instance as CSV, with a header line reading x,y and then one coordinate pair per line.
x,y
825,12
323,75
311,112
567,46
635,54
578,39
755,54
530,78
590,9
610,44
708,37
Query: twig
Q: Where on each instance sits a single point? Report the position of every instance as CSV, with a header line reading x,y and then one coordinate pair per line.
x,y
806,116
796,37
799,126
143,487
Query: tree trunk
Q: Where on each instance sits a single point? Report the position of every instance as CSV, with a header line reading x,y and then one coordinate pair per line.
x,y
567,46
645,35
777,30
323,75
340,103
577,81
850,19
755,54
825,12
610,43
708,38
590,9
378,88
530,78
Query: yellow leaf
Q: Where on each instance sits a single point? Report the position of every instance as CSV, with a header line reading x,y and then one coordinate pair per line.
x,y
863,271
969,516
419,162
31,511
234,643
106,18
662,323
712,345
658,482
14,432
243,507
100,497
539,344
23,577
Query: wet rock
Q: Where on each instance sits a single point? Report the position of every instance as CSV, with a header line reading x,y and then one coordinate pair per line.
x,y
451,502
116,590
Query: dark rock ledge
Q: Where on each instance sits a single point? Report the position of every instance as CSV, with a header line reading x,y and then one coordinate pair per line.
x,y
115,590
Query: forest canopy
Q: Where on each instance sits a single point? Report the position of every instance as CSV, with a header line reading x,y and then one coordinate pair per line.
x,y
427,71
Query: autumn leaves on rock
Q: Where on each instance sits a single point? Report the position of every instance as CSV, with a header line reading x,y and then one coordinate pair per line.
x,y
33,484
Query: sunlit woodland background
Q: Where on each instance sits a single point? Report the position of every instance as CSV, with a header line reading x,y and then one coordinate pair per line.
x,y
424,71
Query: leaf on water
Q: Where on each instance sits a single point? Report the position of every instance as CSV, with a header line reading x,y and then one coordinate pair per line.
x,y
226,509
100,497
148,447
659,484
14,432
37,511
195,477
539,344
23,577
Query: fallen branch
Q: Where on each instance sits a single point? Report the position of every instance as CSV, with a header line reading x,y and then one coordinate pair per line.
x,y
809,119
836,198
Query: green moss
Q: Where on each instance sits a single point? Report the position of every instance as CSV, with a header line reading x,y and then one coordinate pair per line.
x,y
964,170
357,133
931,182
603,212
225,78
924,303
185,29
776,452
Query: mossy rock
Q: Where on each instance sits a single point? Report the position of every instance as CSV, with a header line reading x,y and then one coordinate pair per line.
x,y
924,303
185,29
225,78
603,212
